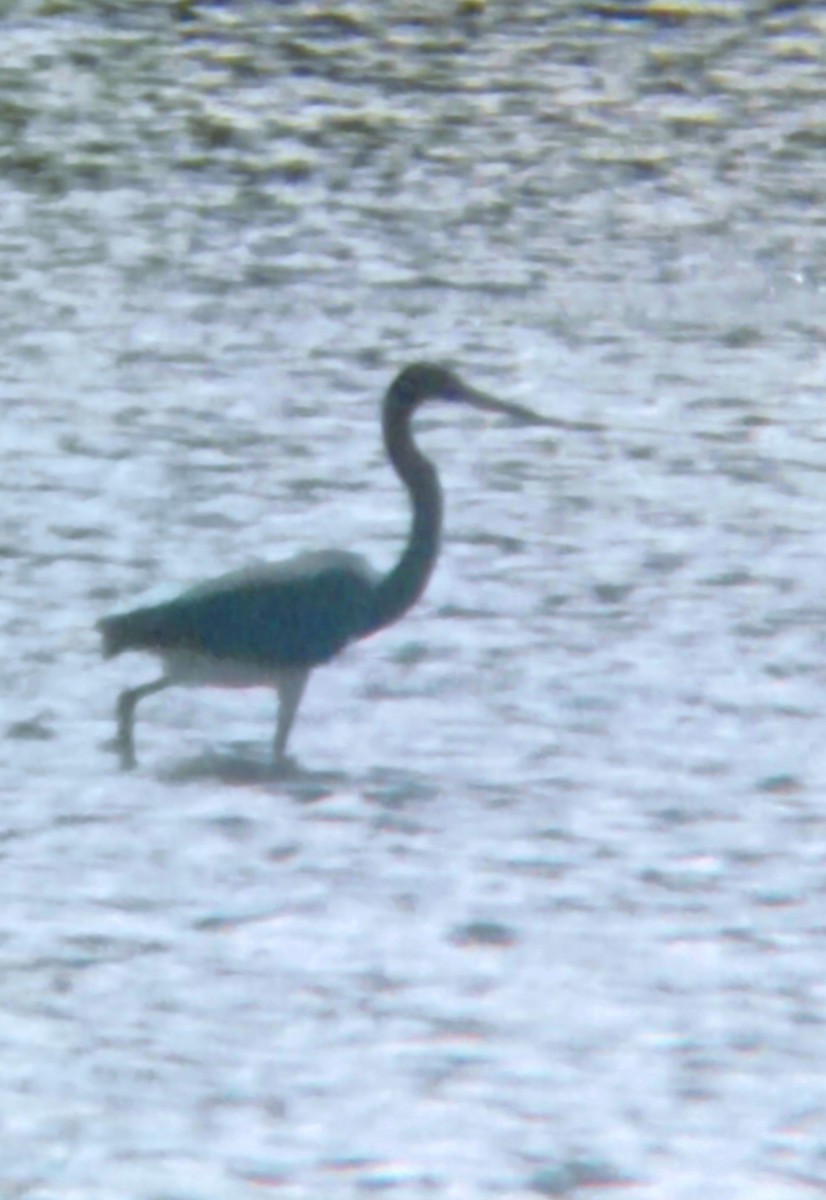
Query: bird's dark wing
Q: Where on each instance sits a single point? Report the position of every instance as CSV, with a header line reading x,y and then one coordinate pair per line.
x,y
297,613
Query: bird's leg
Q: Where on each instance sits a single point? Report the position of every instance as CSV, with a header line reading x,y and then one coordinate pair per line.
x,y
127,703
290,687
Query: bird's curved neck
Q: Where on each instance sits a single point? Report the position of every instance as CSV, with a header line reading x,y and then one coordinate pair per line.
x,y
402,586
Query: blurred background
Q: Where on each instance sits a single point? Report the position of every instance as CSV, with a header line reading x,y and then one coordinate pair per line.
x,y
546,914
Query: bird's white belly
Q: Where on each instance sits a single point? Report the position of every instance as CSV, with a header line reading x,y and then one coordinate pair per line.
x,y
189,669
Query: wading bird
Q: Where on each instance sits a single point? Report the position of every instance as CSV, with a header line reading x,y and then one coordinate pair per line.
x,y
270,625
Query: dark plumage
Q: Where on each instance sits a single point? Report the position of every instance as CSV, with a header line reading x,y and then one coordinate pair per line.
x,y
298,613
271,624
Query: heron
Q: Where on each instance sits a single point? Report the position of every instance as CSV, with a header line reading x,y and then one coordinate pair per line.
x,y
271,624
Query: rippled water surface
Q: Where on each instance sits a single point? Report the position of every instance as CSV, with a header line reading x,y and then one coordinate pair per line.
x,y
545,913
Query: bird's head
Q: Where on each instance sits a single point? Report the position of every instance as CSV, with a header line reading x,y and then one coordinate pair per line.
x,y
423,381
429,381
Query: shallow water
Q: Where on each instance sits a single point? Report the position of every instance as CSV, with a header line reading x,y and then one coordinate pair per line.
x,y
544,916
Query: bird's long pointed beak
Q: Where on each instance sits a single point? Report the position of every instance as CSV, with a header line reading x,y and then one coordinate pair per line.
x,y
526,416
491,404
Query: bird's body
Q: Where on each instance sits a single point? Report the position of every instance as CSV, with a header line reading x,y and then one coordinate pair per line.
x,y
240,629
270,625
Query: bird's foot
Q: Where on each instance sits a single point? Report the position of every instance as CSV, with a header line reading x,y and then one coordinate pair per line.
x,y
285,766
126,752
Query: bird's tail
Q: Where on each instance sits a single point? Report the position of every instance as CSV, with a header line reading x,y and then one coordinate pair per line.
x,y
115,638
129,631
